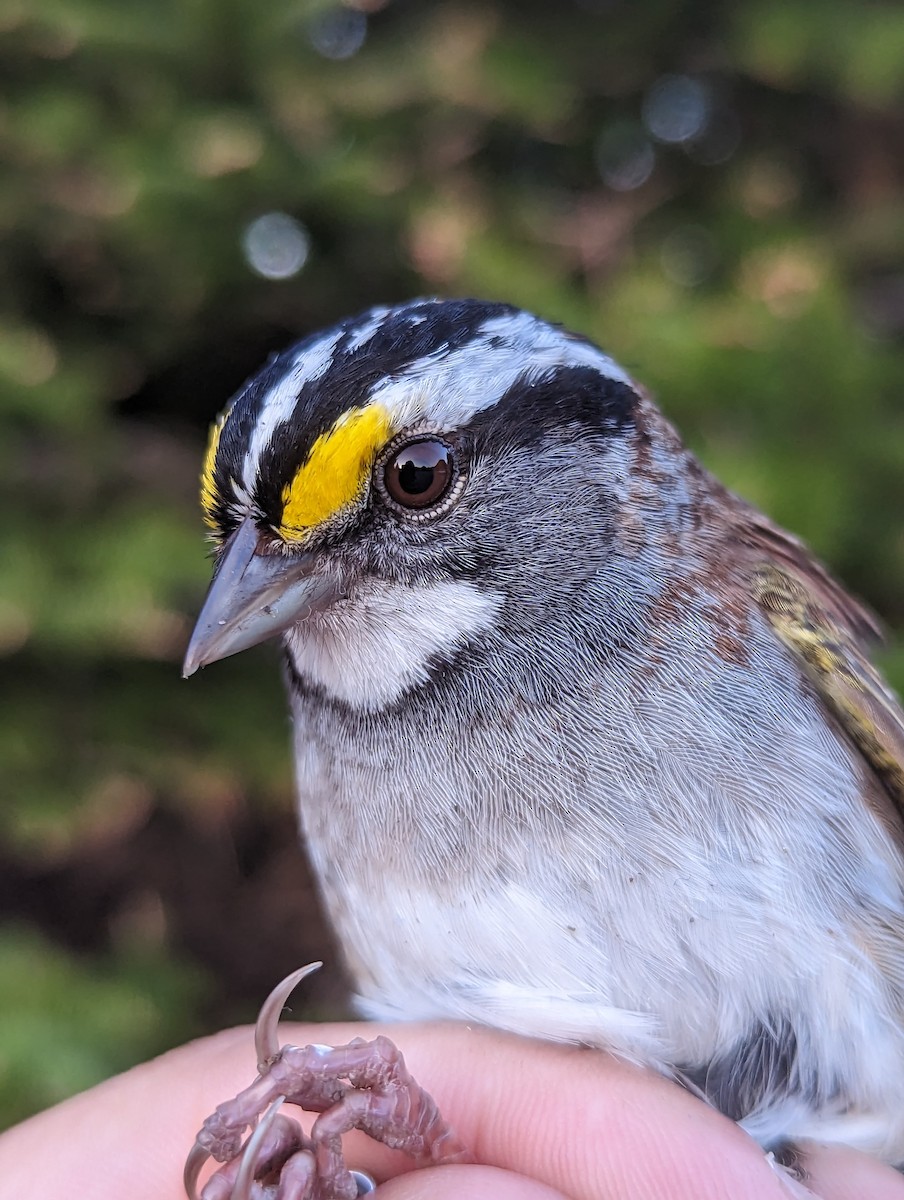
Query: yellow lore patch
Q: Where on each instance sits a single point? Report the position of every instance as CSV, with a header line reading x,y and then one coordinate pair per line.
x,y
335,471
209,496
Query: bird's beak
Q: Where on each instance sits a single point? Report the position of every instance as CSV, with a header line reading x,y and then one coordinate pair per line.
x,y
254,596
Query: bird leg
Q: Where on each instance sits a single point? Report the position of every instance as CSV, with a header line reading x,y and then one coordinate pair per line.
x,y
364,1085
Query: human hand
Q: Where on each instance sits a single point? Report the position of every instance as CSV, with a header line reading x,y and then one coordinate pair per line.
x,y
544,1122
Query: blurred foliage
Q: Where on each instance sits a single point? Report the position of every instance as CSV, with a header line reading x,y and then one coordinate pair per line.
x,y
66,1025
711,191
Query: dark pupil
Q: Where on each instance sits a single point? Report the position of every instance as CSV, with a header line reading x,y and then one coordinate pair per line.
x,y
415,478
419,473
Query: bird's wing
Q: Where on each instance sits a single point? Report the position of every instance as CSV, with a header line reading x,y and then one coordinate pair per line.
x,y
829,633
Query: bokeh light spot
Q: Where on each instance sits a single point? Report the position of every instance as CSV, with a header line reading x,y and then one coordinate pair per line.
x,y
624,156
676,108
338,33
276,245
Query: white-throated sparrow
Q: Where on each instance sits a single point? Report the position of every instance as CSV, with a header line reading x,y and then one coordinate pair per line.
x,y
586,747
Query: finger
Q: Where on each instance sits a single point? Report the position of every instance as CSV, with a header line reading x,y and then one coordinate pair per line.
x,y
466,1183
837,1173
130,1135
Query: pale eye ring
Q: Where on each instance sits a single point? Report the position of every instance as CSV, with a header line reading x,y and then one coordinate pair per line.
x,y
420,473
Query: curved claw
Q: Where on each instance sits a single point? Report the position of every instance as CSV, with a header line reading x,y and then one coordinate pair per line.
x,y
191,1172
266,1035
242,1187
365,1182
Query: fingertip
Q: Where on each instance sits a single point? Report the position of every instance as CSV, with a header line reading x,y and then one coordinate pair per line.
x,y
467,1183
838,1173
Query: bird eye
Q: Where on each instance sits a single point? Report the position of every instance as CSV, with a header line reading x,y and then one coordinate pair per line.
x,y
419,474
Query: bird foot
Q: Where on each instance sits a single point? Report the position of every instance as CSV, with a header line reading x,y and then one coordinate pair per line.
x,y
364,1085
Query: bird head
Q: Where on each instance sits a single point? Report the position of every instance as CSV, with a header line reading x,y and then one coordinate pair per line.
x,y
436,467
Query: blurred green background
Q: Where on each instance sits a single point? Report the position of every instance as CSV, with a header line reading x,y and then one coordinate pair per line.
x,y
711,191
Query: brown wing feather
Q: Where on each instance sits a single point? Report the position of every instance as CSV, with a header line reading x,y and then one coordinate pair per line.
x,y
829,633
773,545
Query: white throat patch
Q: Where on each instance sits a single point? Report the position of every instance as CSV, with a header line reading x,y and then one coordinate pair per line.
x,y
370,649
